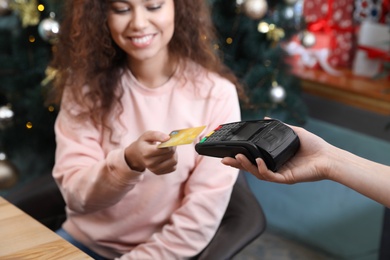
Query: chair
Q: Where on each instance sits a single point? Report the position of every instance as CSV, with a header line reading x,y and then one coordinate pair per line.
x,y
384,248
242,223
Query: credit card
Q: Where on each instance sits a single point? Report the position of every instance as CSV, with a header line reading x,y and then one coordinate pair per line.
x,y
182,136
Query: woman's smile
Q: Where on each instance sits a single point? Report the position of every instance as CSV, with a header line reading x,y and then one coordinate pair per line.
x,y
142,41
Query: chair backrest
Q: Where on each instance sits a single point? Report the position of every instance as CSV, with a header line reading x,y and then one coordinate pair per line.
x,y
243,221
384,247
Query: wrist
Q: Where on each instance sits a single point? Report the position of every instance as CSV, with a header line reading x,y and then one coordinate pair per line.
x,y
132,161
333,165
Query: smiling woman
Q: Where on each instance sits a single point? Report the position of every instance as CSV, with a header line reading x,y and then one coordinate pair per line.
x,y
143,30
129,72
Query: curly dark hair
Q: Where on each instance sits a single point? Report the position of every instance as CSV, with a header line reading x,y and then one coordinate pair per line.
x,y
86,54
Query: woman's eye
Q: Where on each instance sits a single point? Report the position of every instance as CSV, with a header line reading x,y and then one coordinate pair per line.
x,y
116,8
154,7
120,10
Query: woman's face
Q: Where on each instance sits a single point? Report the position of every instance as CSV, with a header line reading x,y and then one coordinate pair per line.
x,y
142,28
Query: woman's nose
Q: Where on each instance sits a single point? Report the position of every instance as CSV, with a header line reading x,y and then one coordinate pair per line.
x,y
140,19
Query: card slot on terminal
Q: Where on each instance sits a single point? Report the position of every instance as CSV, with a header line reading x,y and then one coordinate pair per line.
x,y
246,132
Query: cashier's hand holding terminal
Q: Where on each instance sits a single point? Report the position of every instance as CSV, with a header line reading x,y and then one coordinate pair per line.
x,y
318,160
308,164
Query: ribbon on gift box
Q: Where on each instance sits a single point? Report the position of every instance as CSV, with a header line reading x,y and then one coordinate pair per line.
x,y
311,57
323,25
375,53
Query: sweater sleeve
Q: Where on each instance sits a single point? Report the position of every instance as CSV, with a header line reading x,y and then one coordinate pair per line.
x,y
206,196
89,178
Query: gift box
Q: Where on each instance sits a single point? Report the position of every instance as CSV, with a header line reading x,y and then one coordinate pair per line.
x,y
373,48
377,11
333,19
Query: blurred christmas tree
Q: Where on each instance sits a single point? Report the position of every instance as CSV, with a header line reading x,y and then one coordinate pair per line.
x,y
252,33
26,125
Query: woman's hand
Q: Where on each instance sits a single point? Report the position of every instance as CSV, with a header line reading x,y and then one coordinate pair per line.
x,y
144,154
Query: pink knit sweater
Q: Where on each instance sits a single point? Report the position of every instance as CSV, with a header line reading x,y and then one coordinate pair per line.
x,y
122,213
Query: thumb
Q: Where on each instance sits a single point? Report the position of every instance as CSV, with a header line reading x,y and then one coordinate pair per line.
x,y
155,136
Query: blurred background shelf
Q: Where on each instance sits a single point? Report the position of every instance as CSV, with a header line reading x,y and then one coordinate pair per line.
x,y
365,93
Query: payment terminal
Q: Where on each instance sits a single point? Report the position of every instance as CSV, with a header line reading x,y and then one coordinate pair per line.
x,y
269,139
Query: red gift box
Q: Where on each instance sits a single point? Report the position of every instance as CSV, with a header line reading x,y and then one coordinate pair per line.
x,y
334,19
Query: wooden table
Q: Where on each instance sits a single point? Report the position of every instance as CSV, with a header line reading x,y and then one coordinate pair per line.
x,y
361,92
22,237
